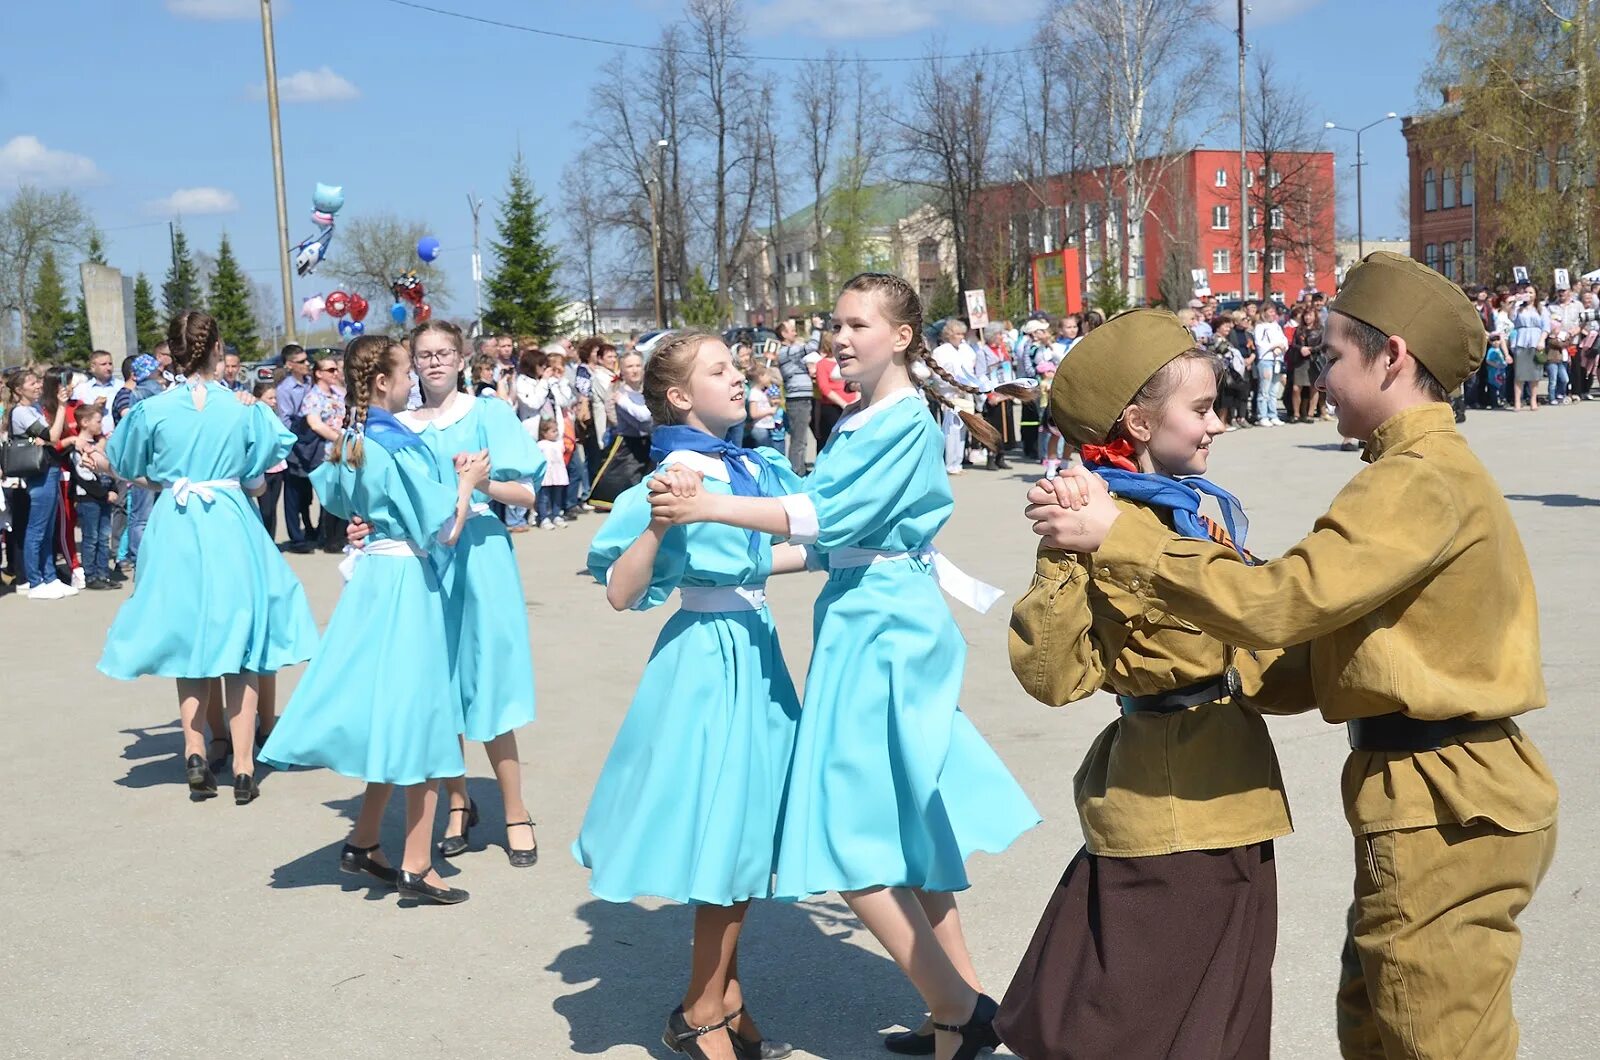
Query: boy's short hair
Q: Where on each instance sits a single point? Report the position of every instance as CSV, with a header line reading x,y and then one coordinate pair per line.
x,y
84,413
1372,342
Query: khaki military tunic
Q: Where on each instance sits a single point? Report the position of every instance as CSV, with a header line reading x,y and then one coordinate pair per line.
x,y
1415,595
1205,778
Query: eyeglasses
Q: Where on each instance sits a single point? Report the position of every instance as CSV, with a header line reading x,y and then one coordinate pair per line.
x,y
298,363
435,357
328,368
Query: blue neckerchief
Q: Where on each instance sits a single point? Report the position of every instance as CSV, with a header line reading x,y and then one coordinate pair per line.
x,y
1180,496
665,440
383,428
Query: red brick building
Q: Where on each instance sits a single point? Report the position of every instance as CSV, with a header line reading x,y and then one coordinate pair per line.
x,y
1446,223
1192,223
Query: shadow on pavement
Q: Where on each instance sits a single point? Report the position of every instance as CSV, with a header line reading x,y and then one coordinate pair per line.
x,y
157,754
803,981
1322,447
1556,500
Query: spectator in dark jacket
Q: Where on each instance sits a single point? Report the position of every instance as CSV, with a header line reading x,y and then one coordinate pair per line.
x,y
797,362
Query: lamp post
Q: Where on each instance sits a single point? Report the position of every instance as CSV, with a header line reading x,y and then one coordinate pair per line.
x,y
277,169
1361,245
655,189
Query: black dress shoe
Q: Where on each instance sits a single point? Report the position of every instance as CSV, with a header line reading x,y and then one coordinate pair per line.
x,y
358,860
451,845
977,1034
522,859
756,1048
244,789
683,1037
416,885
202,781
117,576
99,584
909,1043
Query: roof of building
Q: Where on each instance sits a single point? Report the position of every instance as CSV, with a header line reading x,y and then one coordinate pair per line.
x,y
887,203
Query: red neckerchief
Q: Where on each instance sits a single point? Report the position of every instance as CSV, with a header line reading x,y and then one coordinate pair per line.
x,y
1118,454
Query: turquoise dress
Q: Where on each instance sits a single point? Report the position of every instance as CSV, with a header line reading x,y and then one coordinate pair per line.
x,y
891,785
690,801
213,596
378,703
484,607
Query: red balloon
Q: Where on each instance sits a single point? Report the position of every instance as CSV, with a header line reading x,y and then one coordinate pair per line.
x,y
358,307
415,293
423,313
337,304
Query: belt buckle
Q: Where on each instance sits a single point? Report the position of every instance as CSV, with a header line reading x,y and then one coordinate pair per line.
x,y
1232,682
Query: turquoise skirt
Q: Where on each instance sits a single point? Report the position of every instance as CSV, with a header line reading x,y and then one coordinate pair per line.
x,y
891,784
487,613
212,596
690,801
377,703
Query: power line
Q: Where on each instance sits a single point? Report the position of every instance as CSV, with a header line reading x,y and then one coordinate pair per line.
x,y
499,24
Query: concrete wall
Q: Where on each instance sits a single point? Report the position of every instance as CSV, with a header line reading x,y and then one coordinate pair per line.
x,y
110,313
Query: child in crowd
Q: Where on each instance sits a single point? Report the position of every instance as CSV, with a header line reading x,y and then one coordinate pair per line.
x,y
548,512
267,503
94,490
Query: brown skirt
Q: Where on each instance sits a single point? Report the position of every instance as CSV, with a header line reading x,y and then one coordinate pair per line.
x,y
1167,956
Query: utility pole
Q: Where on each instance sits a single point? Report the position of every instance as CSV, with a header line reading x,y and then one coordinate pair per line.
x,y
277,171
657,203
1244,173
1361,162
475,204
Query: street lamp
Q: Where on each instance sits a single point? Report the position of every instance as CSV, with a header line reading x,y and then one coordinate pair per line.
x,y
1361,245
653,186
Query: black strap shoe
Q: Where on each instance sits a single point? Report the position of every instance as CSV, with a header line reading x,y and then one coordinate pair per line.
x,y
416,885
244,789
683,1037
358,860
522,859
977,1034
909,1043
202,782
756,1048
452,845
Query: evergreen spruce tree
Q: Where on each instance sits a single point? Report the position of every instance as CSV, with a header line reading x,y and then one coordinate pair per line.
x,y
523,299
700,306
146,322
181,290
230,303
49,319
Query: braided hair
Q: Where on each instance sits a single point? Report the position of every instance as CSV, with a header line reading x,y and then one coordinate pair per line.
x,y
191,338
900,304
366,358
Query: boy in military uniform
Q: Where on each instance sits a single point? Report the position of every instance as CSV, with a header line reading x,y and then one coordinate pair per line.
x,y
1415,596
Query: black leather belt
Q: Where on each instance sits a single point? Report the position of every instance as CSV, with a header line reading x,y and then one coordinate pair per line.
x,y
1400,732
1183,698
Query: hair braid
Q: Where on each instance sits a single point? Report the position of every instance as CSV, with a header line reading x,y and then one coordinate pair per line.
x,y
191,336
366,358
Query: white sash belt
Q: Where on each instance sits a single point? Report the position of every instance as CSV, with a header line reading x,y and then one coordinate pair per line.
x,y
714,598
479,509
384,547
980,596
184,488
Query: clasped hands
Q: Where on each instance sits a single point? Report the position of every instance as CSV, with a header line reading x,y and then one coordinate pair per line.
x,y
471,467
675,497
1072,512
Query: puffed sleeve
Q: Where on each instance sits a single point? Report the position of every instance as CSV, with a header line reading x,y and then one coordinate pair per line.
x,y
892,470
332,484
513,454
1053,650
421,505
629,517
781,472
267,440
132,445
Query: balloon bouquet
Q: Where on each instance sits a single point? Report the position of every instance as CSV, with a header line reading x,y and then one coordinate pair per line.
x,y
326,201
408,289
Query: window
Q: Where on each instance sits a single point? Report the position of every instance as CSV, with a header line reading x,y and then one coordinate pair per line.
x,y
1219,217
928,252
1222,178
1502,180
1469,264
1450,262
1469,194
1091,221
1255,217
925,289
1221,260
1274,180
1138,267
1249,178
1277,260
1430,191
1564,167
1541,172
1447,189
1431,256
1253,262
812,254
1276,218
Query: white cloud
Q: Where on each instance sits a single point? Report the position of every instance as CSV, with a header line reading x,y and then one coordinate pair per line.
x,y
193,201
214,10
859,19
321,85
25,158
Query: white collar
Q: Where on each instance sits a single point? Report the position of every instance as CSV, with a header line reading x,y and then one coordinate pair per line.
x,y
460,405
708,465
858,419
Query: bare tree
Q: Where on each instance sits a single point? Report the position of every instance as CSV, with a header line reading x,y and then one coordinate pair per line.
x,y
822,107
777,286
1288,201
33,221
372,250
1148,62
584,216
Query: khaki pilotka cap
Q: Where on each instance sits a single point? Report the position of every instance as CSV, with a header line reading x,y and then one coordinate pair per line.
x,y
1401,296
1103,371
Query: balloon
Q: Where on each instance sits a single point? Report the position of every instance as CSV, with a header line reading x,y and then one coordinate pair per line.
x,y
312,250
397,313
337,304
427,248
423,313
357,327
320,219
328,198
349,329
357,308
312,307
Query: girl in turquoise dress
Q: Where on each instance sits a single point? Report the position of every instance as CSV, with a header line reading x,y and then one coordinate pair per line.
x,y
484,607
378,702
690,801
891,786
213,597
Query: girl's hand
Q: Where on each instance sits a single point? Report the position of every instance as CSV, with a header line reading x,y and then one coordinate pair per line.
x,y
677,480
463,510
669,508
357,531
473,467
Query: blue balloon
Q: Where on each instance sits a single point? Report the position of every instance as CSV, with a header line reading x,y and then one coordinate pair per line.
x,y
328,198
397,313
349,329
427,248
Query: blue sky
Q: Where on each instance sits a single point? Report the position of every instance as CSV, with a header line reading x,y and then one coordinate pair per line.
x,y
152,109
